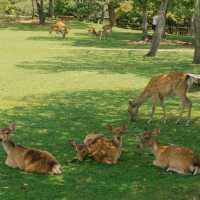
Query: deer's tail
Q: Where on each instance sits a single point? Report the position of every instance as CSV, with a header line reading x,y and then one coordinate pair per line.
x,y
193,79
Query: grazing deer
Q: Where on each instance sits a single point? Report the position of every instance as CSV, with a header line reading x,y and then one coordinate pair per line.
x,y
27,159
100,34
159,87
59,27
107,28
92,30
170,157
100,148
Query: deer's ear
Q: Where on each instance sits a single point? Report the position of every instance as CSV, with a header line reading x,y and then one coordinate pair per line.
x,y
13,127
156,132
109,127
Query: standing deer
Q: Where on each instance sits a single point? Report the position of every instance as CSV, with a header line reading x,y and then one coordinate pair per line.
x,y
159,87
107,28
100,148
59,27
27,159
101,33
170,157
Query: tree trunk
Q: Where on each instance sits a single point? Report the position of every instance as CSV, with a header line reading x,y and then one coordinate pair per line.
x,y
40,8
51,8
159,29
144,23
111,13
33,9
196,28
102,14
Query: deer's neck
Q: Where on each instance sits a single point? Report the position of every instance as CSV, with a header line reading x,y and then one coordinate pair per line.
x,y
117,141
8,146
155,148
142,98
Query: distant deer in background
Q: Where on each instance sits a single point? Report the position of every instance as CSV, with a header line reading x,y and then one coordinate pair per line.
x,y
159,87
171,157
102,32
100,148
59,27
107,28
27,159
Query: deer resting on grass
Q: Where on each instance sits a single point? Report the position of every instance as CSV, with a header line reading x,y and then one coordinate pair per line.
x,y
100,148
159,87
178,159
59,27
27,159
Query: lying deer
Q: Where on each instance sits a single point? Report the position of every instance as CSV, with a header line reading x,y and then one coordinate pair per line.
x,y
159,87
27,159
100,148
59,27
170,157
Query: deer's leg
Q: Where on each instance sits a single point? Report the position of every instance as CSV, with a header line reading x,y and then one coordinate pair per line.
x,y
186,103
100,35
179,171
9,162
157,163
154,101
163,108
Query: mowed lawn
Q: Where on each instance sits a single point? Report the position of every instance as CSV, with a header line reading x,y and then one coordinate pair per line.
x,y
56,90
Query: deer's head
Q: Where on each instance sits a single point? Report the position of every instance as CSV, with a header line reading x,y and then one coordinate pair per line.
x,y
133,109
81,150
118,131
5,132
147,138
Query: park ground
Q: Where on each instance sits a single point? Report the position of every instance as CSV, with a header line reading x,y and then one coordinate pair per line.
x,y
56,90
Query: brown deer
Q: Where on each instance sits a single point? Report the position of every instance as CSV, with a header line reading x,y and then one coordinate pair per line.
x,y
100,34
59,27
159,87
100,148
27,159
170,157
107,28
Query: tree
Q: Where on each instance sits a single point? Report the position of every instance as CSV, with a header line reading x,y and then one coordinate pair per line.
x,y
33,8
40,8
144,19
196,27
51,8
111,13
159,28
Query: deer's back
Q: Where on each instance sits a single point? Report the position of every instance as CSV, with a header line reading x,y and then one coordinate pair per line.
x,y
167,84
91,138
58,26
38,160
104,149
176,157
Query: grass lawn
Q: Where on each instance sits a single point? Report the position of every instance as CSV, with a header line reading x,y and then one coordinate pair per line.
x,y
56,89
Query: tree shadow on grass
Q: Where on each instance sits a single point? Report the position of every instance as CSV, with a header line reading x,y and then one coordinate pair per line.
x,y
25,27
116,39
122,62
47,122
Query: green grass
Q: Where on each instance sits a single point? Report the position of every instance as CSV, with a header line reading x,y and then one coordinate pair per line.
x,y
56,89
